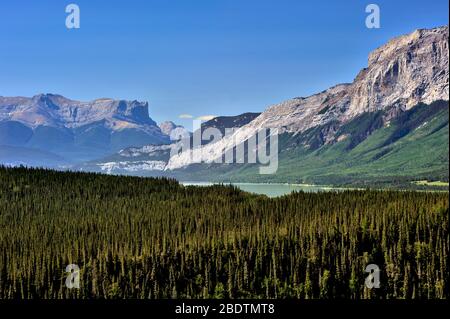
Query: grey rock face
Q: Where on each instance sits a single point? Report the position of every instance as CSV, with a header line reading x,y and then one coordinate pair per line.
x,y
407,70
175,132
227,122
167,127
75,129
404,72
58,111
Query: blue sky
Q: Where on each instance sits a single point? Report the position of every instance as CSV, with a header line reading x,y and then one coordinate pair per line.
x,y
202,57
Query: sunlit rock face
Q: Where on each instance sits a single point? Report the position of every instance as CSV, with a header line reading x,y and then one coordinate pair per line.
x,y
174,131
407,70
76,129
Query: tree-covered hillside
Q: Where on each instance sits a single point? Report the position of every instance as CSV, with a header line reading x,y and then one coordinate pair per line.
x,y
153,238
367,152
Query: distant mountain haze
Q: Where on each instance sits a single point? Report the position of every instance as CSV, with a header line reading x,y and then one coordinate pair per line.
x,y
154,158
76,130
174,131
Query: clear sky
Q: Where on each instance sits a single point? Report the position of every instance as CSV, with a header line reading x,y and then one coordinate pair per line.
x,y
198,57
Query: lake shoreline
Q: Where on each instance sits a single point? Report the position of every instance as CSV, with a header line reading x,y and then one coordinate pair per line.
x,y
282,189
270,189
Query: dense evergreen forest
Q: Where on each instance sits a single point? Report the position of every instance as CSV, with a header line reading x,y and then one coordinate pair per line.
x,y
153,238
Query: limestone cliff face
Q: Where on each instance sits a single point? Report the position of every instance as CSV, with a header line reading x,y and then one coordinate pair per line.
x,y
76,130
57,111
407,70
174,131
402,73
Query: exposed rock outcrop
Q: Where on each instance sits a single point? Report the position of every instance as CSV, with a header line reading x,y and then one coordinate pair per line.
x,y
408,70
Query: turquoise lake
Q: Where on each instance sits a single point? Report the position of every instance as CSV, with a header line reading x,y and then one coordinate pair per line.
x,y
271,190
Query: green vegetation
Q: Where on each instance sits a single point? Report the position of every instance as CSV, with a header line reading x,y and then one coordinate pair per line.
x,y
415,146
153,238
435,183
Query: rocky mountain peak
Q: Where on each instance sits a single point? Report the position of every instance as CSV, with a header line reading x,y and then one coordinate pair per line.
x,y
408,42
132,110
56,110
76,130
167,127
406,71
174,131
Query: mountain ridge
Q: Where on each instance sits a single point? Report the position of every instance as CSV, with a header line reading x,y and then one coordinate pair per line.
x,y
421,58
323,140
76,130
57,110
389,155
375,119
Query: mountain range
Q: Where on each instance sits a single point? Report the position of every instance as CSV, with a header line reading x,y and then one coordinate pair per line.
x,y
389,125
72,131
